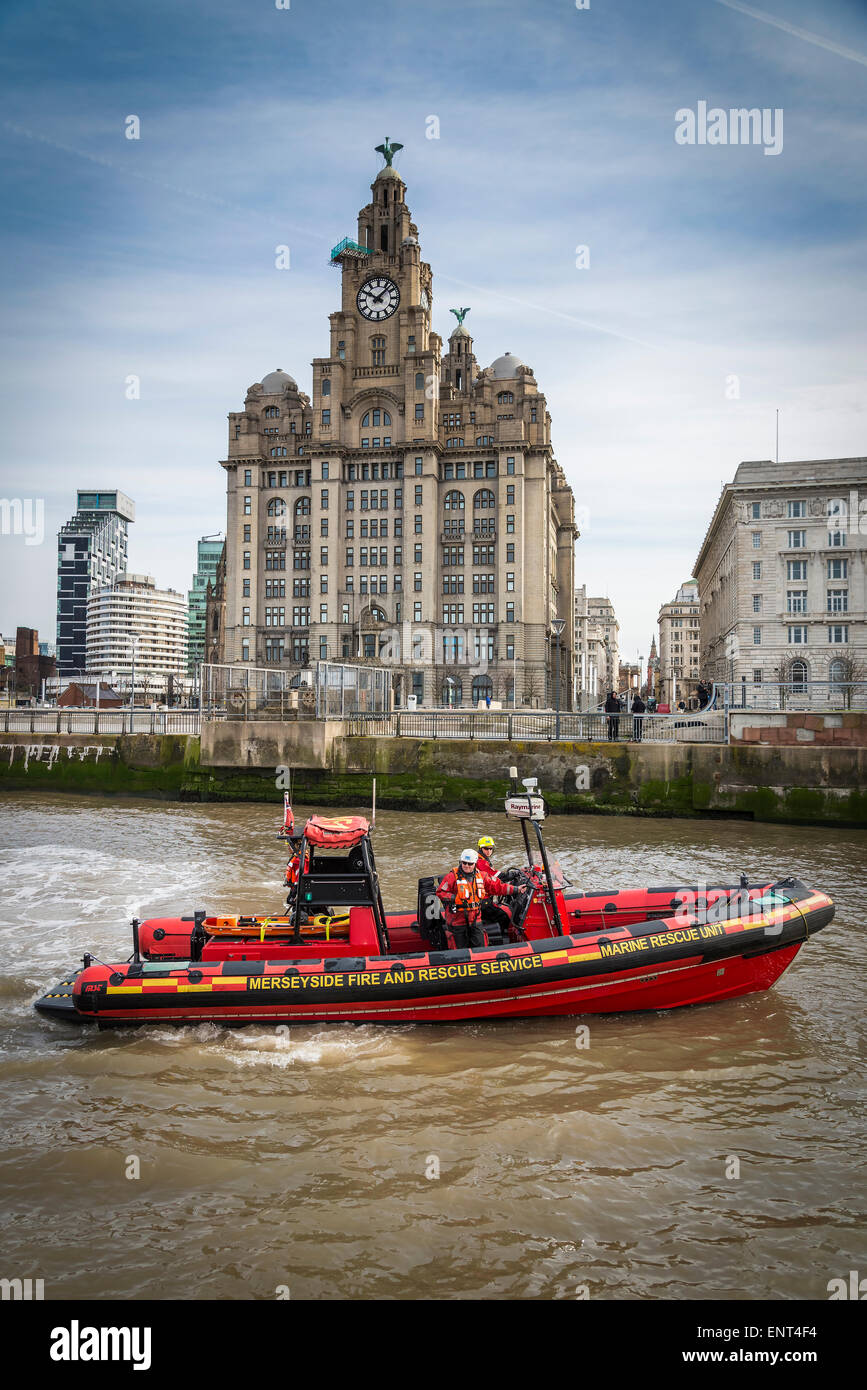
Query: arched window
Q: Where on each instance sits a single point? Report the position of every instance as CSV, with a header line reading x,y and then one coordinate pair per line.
x,y
455,501
505,398
483,499
276,507
272,412
378,614
799,676
375,418
302,506
483,686
837,672
419,381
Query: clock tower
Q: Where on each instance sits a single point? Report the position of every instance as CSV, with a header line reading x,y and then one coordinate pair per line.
x,y
383,351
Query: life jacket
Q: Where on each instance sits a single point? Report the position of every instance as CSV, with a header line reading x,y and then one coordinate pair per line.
x,y
292,871
469,892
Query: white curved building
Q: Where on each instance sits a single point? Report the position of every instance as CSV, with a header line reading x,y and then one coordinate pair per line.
x,y
133,612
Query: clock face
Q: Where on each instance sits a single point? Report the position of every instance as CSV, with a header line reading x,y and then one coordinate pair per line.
x,y
378,298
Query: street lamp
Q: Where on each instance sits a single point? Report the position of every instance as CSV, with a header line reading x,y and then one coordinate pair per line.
x,y
557,626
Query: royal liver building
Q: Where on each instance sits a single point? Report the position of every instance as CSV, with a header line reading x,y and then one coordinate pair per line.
x,y
410,512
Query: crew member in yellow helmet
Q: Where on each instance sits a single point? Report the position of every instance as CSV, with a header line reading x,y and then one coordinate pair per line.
x,y
490,911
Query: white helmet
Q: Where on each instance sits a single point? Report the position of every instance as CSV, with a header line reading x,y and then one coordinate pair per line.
x,y
469,856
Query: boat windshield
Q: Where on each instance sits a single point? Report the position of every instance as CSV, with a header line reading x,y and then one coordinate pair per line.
x,y
558,878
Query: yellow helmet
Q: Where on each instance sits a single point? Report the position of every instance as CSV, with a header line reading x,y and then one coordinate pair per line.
x,y
486,842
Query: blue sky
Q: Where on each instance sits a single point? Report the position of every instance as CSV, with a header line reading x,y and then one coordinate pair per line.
x,y
156,257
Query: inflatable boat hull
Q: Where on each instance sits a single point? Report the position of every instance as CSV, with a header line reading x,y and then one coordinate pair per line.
x,y
659,964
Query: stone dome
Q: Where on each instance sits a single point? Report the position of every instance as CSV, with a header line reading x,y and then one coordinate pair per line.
x,y
459,331
388,173
276,382
410,241
506,366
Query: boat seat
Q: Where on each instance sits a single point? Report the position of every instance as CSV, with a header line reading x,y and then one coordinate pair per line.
x,y
362,930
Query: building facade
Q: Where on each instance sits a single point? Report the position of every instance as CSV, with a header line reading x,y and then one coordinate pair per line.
x,y
133,619
781,574
411,511
91,553
597,655
208,553
680,645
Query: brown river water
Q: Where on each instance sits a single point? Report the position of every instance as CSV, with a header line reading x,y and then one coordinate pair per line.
x,y
306,1159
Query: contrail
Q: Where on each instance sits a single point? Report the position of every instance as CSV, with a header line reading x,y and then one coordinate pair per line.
x,y
798,33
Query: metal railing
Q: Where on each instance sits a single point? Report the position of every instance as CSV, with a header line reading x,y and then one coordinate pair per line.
x,y
541,727
104,721
797,695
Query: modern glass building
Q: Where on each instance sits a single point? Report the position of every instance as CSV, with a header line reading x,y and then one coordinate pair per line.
x,y
91,553
209,550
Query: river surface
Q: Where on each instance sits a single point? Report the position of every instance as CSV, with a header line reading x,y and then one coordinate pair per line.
x,y
306,1159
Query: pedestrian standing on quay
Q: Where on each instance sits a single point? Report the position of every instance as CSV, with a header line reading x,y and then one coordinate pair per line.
x,y
612,709
639,709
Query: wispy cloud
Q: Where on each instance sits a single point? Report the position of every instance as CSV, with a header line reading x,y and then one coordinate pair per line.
x,y
840,49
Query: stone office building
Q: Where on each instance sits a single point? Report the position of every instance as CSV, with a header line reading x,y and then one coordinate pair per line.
x,y
782,575
411,510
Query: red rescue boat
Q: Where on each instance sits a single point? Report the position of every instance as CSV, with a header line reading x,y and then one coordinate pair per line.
x,y
338,956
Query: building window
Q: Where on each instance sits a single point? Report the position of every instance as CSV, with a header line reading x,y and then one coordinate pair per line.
x,y
797,509
246,559
757,540
510,612
757,675
247,535
245,617
757,569
416,583
510,464
245,649
756,510
796,601
797,540
248,477
326,386
245,588
838,600
796,569
510,523
757,603
419,412
326,418
485,499
837,538
838,569
510,582
248,506
797,636
838,632
757,636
